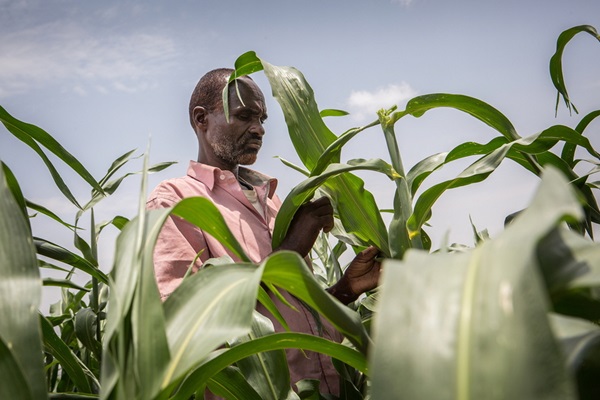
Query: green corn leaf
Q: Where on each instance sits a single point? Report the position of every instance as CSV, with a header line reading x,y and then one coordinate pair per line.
x,y
32,135
269,305
305,190
73,366
472,344
229,383
203,213
13,186
311,137
476,172
208,308
421,170
275,341
65,283
333,151
43,210
116,165
569,261
135,352
479,170
332,112
118,222
58,253
293,166
288,271
110,187
266,372
568,152
546,139
307,130
245,64
16,386
85,329
20,293
581,345
556,70
472,106
356,206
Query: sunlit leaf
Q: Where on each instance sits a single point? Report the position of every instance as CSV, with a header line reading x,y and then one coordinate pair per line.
x,y
331,112
310,136
305,190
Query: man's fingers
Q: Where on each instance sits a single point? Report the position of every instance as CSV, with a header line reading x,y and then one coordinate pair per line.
x,y
328,224
321,201
368,254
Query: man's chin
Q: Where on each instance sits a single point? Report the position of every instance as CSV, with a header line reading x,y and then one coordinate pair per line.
x,y
248,159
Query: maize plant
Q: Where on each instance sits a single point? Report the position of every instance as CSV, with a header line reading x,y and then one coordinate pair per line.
x,y
513,317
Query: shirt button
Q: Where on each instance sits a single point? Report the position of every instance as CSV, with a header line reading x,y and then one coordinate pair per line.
x,y
222,177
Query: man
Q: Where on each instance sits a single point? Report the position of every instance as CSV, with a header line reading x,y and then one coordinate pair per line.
x,y
247,200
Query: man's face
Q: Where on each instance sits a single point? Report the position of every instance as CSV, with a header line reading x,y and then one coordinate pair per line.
x,y
238,141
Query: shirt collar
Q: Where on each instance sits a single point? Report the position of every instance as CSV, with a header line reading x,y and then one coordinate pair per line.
x,y
208,175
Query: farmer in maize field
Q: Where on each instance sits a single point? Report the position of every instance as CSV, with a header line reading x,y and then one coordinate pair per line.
x,y
248,203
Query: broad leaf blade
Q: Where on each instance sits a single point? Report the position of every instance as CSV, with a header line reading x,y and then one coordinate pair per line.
x,y
267,372
208,308
276,341
229,383
470,105
288,271
205,215
20,293
484,326
305,190
311,138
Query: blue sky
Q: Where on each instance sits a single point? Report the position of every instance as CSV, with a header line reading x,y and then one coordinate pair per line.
x,y
104,77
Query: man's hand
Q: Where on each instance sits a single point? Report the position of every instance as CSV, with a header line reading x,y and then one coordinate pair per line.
x,y
308,221
361,276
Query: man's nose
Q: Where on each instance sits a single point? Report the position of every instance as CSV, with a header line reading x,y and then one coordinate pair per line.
x,y
257,127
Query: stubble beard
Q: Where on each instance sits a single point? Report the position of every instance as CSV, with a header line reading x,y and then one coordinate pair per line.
x,y
232,154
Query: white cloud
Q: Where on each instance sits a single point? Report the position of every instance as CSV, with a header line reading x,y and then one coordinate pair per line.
x,y
68,53
363,104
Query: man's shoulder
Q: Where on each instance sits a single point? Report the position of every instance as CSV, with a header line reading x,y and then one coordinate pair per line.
x,y
170,191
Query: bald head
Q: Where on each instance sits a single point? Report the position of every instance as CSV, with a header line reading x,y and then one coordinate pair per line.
x,y
208,92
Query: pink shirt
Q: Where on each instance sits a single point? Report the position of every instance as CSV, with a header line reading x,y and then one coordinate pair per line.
x,y
179,242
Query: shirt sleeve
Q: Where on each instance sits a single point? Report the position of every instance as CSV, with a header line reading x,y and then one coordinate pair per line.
x,y
177,246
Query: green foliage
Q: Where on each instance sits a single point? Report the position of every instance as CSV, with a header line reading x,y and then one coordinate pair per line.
x,y
515,316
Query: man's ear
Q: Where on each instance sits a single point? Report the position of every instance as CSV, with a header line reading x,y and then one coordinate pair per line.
x,y
199,115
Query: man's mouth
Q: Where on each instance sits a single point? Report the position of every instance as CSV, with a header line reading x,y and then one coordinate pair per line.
x,y
254,144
